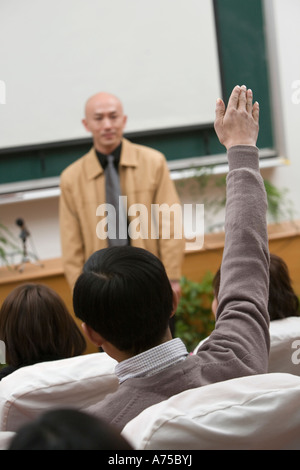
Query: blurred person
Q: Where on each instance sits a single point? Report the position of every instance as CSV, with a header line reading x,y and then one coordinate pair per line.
x,y
144,180
68,429
36,326
283,301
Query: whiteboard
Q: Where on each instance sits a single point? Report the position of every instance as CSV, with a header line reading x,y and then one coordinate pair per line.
x,y
159,57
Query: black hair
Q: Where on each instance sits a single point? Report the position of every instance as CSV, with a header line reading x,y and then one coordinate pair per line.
x,y
36,326
68,429
125,295
283,301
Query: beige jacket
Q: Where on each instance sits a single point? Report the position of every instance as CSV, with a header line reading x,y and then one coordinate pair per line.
x,y
145,180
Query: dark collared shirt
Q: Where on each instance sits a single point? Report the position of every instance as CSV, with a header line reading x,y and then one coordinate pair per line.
x,y
103,158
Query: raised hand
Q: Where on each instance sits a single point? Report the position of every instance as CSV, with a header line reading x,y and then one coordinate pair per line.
x,y
239,123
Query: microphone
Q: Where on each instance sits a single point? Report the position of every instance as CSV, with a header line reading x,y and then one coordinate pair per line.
x,y
20,222
24,232
26,256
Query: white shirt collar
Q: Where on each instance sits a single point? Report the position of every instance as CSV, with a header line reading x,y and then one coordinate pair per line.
x,y
152,361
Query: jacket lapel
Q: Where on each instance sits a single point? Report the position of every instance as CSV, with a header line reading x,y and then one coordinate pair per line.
x,y
128,154
92,165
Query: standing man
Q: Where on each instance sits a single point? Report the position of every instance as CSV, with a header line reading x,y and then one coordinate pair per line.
x,y
145,184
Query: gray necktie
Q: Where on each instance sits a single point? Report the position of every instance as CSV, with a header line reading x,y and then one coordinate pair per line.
x,y
117,222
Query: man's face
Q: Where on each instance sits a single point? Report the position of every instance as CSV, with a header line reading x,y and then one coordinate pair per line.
x,y
105,119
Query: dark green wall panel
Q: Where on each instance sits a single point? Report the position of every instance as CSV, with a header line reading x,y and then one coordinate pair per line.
x,y
243,56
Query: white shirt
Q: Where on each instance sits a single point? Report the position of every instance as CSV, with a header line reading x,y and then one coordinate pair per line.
x,y
152,361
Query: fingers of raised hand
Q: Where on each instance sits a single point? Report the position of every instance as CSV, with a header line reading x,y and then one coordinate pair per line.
x,y
234,98
255,112
238,124
243,98
249,101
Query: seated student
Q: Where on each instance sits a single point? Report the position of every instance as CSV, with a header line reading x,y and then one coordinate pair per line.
x,y
68,429
125,300
36,326
283,302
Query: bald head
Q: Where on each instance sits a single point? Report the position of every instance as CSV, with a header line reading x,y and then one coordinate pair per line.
x,y
105,119
102,99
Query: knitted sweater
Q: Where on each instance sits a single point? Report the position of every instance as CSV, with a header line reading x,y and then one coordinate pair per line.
x,y
239,345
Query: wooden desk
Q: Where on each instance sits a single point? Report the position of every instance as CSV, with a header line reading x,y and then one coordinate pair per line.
x,y
51,274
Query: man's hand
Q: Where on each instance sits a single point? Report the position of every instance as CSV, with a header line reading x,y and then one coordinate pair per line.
x,y
238,124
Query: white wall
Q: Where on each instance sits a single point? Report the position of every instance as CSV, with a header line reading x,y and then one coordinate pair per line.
x,y
282,28
166,72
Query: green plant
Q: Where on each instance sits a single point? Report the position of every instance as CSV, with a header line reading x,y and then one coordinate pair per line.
x,y
279,207
210,189
194,319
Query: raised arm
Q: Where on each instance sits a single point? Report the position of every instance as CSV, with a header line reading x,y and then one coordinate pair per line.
x,y
241,334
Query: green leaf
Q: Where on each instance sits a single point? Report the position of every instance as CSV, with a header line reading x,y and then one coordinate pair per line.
x,y
194,319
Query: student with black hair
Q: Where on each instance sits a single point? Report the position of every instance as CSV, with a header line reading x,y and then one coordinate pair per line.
x,y
36,326
68,429
283,301
125,300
